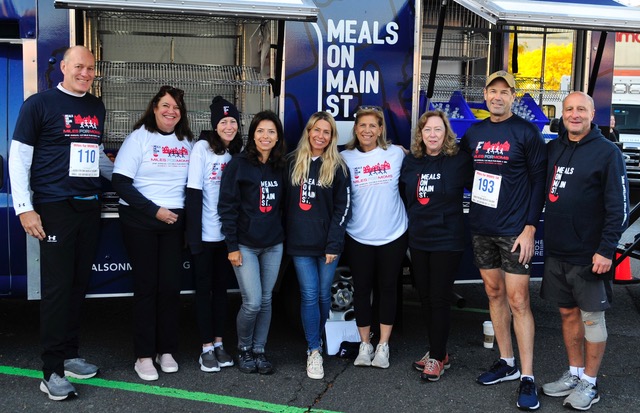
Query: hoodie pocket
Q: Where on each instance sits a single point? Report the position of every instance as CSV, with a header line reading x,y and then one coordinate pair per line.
x,y
307,233
566,239
426,225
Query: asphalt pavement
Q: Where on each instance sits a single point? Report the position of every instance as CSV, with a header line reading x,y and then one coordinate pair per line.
x,y
107,341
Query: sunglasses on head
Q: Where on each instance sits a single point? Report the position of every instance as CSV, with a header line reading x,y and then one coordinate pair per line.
x,y
370,107
170,89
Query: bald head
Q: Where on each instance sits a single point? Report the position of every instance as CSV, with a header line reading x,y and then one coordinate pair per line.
x,y
78,68
578,111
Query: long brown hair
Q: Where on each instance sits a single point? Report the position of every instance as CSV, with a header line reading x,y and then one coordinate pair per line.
x,y
148,119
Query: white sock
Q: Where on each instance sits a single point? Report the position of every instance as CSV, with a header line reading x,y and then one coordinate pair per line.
x,y
207,348
523,376
511,361
590,379
217,344
576,371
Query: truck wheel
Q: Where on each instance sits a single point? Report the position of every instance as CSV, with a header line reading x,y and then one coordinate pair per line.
x,y
342,290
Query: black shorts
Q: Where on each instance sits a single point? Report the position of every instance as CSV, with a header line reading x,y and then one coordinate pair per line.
x,y
491,252
569,285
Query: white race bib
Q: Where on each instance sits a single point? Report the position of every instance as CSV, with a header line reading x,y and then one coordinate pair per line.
x,y
486,189
84,159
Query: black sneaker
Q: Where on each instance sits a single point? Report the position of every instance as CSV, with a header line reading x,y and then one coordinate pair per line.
x,y
263,365
499,372
223,357
209,362
246,363
527,395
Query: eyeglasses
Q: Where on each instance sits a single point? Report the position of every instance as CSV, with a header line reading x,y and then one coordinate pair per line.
x,y
170,89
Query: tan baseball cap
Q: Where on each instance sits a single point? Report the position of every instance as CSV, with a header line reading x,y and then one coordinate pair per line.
x,y
501,74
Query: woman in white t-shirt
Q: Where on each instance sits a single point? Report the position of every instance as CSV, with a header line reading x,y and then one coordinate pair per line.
x,y
376,241
211,267
150,175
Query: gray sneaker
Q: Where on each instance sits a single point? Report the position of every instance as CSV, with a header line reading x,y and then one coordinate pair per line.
x,y
208,362
561,387
365,355
79,368
583,396
223,357
57,388
381,359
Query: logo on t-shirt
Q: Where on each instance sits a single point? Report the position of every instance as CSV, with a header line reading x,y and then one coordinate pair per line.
x,y
307,193
558,183
267,198
167,156
81,127
365,175
424,187
216,171
492,152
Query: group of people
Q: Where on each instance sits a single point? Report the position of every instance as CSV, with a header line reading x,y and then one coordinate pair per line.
x,y
371,202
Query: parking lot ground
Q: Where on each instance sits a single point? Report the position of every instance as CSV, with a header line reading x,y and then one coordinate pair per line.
x,y
107,341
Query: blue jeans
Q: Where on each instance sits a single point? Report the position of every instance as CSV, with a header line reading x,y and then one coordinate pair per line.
x,y
256,278
315,279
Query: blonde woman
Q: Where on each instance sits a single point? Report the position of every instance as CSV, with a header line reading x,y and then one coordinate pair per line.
x,y
317,214
376,241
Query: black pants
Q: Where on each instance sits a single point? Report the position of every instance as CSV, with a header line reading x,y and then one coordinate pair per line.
x,y
66,256
212,271
156,259
381,264
434,274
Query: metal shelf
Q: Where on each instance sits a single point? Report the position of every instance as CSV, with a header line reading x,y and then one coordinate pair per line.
x,y
165,24
472,87
456,46
119,124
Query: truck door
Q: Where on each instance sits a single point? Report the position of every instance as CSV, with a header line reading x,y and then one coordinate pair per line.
x,y
12,238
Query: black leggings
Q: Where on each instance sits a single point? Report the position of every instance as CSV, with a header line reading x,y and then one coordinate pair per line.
x,y
156,261
212,271
382,263
434,273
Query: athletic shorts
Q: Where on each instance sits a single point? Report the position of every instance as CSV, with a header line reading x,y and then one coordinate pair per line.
x,y
491,252
569,285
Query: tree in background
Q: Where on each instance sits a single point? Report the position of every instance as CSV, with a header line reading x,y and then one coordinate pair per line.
x,y
558,63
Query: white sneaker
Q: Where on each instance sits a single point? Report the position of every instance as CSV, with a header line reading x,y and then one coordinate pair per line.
x,y
145,369
365,355
314,366
167,363
381,358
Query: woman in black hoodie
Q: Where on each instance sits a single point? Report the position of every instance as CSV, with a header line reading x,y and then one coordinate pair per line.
x,y
434,177
317,211
250,209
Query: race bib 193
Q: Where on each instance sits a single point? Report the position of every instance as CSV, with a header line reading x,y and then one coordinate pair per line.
x,y
486,189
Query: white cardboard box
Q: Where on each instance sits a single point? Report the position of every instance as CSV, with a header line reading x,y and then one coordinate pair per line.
x,y
339,331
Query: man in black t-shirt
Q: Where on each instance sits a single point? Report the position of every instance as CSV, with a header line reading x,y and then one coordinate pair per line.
x,y
56,154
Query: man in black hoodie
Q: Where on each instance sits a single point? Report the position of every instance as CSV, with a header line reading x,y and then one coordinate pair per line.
x,y
586,213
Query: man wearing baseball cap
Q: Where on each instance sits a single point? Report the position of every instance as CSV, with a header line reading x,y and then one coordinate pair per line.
x,y
508,194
